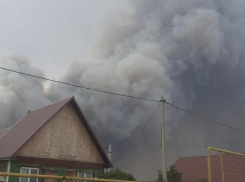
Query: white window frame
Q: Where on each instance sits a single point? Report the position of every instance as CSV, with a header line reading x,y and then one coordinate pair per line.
x,y
29,168
84,175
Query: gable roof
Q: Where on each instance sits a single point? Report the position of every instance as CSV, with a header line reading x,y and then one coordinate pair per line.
x,y
3,131
13,138
194,168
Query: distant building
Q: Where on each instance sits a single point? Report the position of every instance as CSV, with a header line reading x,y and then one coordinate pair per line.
x,y
194,168
54,140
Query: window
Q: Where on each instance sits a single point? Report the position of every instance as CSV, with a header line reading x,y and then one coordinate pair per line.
x,y
27,170
79,174
85,175
72,174
54,173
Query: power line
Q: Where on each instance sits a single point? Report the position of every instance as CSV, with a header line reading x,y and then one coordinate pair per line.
x,y
169,145
79,86
207,119
202,141
140,153
179,142
184,137
138,158
173,144
138,134
122,95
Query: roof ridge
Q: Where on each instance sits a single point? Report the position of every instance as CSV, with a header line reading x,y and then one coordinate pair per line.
x,y
195,156
52,104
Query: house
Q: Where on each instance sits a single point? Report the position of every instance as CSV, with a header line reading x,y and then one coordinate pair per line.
x,y
53,140
194,168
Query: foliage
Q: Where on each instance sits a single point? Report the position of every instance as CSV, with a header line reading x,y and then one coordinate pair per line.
x,y
159,179
116,174
172,175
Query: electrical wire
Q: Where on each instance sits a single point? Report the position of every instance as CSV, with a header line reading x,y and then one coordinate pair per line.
x,y
195,139
138,158
140,153
189,142
192,146
205,146
207,119
137,134
180,142
79,86
122,95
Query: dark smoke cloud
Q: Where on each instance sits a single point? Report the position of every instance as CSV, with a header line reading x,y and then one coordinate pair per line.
x,y
19,94
190,52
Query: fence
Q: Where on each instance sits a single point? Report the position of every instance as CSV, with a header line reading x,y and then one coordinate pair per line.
x,y
64,178
221,151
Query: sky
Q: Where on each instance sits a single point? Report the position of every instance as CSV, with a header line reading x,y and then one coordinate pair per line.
x,y
51,33
188,52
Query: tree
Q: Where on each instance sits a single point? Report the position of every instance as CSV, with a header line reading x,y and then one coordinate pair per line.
x,y
160,178
116,174
172,175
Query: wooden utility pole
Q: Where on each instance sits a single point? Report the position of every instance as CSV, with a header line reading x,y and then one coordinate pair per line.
x,y
164,168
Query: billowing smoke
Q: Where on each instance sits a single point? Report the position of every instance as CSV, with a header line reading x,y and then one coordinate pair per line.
x,y
189,52
19,94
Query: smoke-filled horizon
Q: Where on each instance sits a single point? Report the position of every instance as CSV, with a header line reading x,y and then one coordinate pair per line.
x,y
191,53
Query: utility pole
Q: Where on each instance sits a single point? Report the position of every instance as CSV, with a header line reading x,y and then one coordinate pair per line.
x,y
109,155
164,171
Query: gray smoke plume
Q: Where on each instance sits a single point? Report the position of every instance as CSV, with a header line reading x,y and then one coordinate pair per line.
x,y
189,52
19,94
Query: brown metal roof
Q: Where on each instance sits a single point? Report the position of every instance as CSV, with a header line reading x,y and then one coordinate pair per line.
x,y
194,168
12,139
3,131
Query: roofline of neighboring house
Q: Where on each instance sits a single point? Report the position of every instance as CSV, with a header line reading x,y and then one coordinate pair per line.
x,y
191,157
205,156
200,156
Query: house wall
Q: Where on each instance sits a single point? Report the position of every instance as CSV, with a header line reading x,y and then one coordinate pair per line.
x,y
15,168
62,137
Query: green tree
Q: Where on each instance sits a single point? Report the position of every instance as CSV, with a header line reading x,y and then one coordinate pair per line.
x,y
116,174
160,178
172,175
